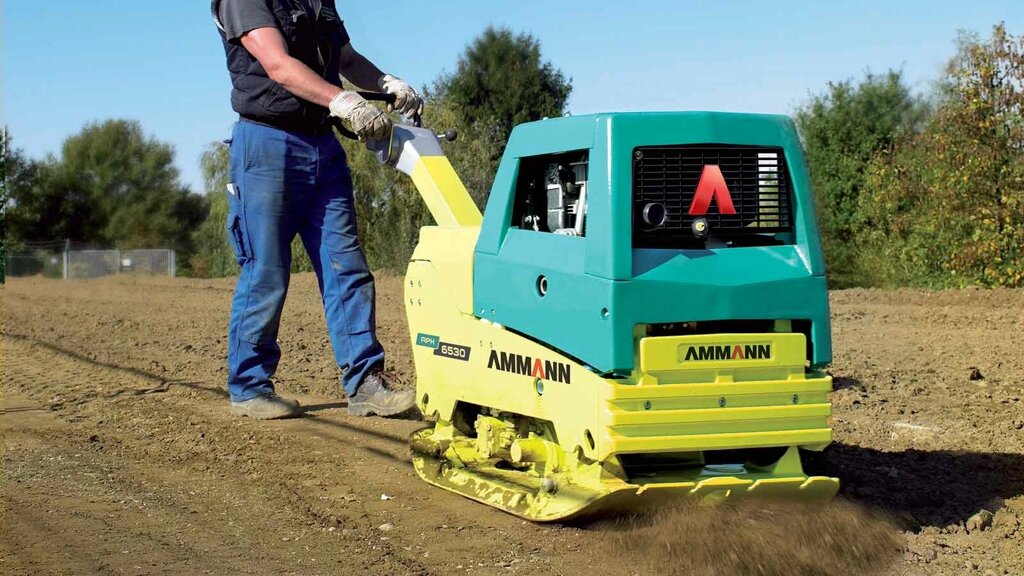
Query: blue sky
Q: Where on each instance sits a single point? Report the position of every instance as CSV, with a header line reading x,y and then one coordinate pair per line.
x,y
69,62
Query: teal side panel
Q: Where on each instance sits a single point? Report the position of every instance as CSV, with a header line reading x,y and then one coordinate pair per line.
x,y
531,139
569,317
602,271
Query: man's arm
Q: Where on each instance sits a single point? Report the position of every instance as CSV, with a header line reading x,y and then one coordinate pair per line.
x,y
358,70
267,45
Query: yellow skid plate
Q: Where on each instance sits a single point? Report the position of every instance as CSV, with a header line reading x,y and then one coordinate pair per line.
x,y
531,498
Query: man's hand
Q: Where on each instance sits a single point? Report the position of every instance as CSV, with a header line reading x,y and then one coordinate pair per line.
x,y
367,120
407,102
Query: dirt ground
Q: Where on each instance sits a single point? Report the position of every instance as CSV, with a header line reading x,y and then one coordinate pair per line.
x,y
120,457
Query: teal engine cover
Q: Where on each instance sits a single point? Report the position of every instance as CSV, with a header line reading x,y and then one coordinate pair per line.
x,y
690,218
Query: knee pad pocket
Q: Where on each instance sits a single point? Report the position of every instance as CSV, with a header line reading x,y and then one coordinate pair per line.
x,y
237,238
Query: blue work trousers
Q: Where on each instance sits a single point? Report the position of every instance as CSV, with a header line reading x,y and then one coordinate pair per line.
x,y
283,184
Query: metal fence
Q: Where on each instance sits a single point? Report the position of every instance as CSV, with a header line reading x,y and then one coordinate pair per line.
x,y
35,262
149,262
80,264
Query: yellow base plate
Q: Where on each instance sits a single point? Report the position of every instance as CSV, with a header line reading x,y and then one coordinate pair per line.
x,y
559,500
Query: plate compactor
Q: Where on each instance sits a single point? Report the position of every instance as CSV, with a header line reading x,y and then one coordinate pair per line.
x,y
640,314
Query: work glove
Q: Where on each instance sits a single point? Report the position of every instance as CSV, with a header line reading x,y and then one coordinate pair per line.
x,y
407,102
365,119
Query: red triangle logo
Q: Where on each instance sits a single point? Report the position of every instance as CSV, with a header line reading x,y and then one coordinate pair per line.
x,y
711,185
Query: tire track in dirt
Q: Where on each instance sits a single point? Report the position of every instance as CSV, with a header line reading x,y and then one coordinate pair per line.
x,y
138,363
133,406
131,520
145,452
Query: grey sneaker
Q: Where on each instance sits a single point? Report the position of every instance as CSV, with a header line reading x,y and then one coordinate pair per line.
x,y
266,407
375,396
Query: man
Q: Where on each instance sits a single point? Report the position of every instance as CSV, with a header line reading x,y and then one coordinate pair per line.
x,y
289,176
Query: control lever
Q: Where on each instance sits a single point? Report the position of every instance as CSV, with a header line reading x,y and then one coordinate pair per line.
x,y
449,135
389,99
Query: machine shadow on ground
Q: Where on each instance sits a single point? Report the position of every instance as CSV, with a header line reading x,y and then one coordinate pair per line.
x,y
922,488
845,383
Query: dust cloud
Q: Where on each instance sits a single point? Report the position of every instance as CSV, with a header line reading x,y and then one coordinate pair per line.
x,y
759,539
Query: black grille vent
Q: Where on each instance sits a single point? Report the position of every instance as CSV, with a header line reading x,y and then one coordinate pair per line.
x,y
757,178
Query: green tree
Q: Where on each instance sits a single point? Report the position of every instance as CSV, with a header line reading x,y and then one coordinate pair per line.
x,y
41,205
132,180
501,81
213,255
111,185
946,207
843,128
4,144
